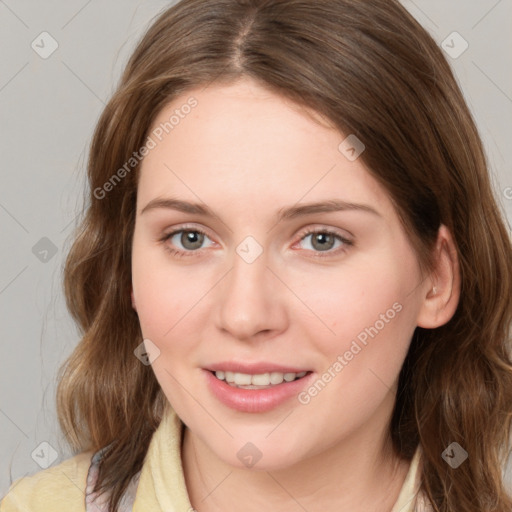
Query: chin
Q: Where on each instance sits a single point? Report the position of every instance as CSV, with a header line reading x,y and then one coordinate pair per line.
x,y
258,455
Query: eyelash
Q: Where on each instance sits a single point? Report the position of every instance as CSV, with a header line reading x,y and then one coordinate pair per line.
x,y
318,254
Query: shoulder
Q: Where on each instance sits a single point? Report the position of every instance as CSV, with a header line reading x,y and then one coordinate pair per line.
x,y
59,488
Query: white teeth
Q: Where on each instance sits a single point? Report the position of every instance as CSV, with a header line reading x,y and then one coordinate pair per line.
x,y
261,379
243,379
276,378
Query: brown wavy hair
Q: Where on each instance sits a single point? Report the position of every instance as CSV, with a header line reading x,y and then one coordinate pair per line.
x,y
372,70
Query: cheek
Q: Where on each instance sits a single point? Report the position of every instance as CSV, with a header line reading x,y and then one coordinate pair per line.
x,y
167,295
355,302
373,317
372,327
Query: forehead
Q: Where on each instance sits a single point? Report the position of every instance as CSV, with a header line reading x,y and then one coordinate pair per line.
x,y
243,143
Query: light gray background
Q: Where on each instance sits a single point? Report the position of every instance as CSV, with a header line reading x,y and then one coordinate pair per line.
x,y
48,110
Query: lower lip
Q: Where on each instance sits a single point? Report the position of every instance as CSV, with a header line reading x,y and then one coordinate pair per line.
x,y
255,400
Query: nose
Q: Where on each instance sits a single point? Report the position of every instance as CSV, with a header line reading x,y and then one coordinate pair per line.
x,y
251,300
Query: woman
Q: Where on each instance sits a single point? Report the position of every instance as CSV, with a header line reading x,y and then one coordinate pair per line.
x,y
293,280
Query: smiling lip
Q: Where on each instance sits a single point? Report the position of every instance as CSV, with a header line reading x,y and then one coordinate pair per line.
x,y
255,400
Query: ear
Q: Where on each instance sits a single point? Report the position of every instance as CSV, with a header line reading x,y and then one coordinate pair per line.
x,y
133,300
442,288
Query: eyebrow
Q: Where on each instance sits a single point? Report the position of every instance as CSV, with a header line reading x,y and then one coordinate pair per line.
x,y
288,213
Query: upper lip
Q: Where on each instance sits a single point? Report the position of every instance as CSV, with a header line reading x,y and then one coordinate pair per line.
x,y
255,368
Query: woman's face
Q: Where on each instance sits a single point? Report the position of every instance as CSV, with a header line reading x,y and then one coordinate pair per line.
x,y
259,295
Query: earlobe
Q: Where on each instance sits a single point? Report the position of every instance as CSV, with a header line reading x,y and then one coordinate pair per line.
x,y
133,301
442,288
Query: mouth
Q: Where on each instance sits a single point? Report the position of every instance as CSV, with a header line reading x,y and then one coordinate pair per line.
x,y
257,381
256,386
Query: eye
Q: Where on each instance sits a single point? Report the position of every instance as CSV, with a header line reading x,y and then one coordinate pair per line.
x,y
190,239
323,240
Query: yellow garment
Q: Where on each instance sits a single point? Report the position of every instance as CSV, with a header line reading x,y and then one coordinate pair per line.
x,y
161,486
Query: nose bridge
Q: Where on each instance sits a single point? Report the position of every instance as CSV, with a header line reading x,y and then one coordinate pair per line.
x,y
248,302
